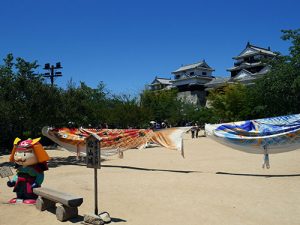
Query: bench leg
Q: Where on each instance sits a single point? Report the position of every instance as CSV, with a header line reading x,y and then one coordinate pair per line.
x,y
64,213
43,204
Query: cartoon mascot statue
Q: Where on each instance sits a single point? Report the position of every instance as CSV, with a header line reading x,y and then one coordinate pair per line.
x,y
31,162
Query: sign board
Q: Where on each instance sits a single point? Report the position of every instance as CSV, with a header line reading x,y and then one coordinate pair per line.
x,y
93,153
5,171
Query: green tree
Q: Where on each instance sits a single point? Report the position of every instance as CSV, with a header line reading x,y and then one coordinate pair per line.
x,y
125,112
24,100
162,105
232,104
278,92
84,105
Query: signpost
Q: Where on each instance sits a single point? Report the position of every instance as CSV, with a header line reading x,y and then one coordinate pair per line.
x,y
5,171
93,160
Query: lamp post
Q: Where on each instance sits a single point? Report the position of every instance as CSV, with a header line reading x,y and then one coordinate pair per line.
x,y
52,71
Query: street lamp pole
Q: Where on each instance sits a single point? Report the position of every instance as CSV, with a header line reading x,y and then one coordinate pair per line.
x,y
52,71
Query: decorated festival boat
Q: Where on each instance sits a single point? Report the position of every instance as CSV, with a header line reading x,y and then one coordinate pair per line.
x,y
116,141
261,136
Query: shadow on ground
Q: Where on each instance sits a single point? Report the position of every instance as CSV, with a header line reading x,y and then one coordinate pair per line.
x,y
258,175
64,161
116,220
70,160
150,169
80,219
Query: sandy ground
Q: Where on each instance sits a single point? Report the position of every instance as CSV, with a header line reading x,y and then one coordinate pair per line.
x,y
212,185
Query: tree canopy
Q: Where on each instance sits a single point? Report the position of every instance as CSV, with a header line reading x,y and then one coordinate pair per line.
x,y
276,93
27,102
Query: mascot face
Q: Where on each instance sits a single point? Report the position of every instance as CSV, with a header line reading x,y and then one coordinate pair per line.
x,y
24,154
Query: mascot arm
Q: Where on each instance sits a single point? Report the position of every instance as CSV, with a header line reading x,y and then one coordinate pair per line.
x,y
15,178
12,182
39,179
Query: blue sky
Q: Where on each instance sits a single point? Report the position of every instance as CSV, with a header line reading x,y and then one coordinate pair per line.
x,y
126,44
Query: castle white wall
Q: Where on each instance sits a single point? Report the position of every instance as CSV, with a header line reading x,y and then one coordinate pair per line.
x,y
193,72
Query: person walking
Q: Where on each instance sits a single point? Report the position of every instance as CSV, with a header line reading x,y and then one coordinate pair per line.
x,y
197,130
193,131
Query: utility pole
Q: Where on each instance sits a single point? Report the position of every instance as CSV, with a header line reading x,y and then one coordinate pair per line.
x,y
52,71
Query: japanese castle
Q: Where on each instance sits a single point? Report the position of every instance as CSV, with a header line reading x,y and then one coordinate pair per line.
x,y
248,66
193,81
190,81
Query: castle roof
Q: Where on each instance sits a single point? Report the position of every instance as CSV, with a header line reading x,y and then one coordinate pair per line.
x,y
161,81
245,65
201,64
254,50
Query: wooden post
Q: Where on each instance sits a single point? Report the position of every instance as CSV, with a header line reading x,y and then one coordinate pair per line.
x,y
96,191
43,204
93,158
64,213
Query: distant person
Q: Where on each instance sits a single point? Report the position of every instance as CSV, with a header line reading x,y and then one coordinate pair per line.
x,y
157,126
197,130
193,131
71,125
152,125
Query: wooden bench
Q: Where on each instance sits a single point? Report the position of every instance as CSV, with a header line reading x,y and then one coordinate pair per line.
x,y
68,207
